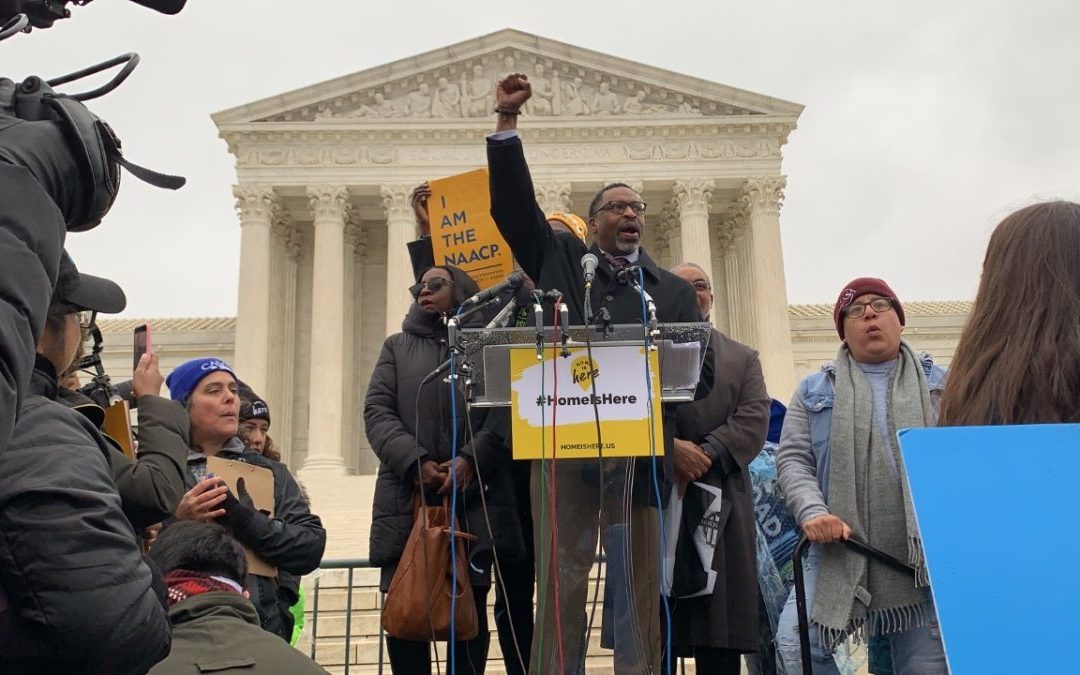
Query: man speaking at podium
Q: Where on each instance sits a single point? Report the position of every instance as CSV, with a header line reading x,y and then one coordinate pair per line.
x,y
616,220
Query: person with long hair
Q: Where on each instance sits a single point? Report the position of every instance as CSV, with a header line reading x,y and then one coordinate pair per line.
x,y
1018,360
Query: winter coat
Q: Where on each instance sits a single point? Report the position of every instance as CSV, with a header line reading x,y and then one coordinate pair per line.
x,y
32,234
293,540
152,486
802,464
399,426
79,598
219,633
553,261
730,426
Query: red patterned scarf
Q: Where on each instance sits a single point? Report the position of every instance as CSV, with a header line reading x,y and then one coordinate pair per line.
x,y
186,583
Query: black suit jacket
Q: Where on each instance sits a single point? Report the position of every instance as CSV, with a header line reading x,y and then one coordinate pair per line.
x,y
553,261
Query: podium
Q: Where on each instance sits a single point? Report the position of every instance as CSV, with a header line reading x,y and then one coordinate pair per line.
x,y
586,408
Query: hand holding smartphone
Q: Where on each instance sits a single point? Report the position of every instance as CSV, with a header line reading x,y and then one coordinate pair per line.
x,y
142,343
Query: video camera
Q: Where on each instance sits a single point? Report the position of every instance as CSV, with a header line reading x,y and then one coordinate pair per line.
x,y
44,13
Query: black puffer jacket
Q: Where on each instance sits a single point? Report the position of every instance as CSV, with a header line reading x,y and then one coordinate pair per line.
x,y
79,598
31,238
397,434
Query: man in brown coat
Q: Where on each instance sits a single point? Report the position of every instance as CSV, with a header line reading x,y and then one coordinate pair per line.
x,y
716,438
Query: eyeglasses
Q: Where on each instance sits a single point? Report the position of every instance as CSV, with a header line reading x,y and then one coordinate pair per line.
x,y
86,319
434,284
701,285
620,207
857,309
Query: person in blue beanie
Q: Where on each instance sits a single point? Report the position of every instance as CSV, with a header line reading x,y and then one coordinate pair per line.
x,y
293,539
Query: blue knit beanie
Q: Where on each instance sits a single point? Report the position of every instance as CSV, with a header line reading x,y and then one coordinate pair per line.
x,y
183,380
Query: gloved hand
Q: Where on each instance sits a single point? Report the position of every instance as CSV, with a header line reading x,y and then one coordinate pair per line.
x,y
238,512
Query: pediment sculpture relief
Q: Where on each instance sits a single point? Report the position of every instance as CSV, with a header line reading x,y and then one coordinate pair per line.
x,y
466,90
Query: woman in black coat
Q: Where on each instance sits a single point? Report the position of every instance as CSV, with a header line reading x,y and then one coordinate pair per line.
x,y
409,423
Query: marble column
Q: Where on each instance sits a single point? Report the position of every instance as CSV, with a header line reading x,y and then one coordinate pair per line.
x,y
330,210
281,383
355,241
257,206
738,277
400,230
554,196
692,198
764,252
668,223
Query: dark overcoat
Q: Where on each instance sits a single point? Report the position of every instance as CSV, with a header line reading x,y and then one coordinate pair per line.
x,y
730,425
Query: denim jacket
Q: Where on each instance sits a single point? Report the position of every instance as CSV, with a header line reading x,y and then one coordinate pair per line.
x,y
804,442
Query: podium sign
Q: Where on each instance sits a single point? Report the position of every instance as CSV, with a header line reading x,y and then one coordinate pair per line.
x,y
561,387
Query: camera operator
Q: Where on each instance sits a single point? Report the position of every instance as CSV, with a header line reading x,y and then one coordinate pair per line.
x,y
75,595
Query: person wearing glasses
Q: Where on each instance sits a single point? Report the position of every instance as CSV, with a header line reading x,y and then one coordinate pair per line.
x,y
616,221
842,475
715,441
410,422
75,595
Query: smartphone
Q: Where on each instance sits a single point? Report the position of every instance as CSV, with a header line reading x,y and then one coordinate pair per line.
x,y
142,343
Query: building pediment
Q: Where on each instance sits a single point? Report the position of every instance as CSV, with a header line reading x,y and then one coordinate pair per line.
x,y
456,84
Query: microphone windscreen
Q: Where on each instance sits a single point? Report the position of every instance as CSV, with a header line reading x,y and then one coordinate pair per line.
x,y
163,6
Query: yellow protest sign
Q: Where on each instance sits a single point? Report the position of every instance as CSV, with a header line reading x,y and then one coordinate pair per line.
x,y
561,387
462,230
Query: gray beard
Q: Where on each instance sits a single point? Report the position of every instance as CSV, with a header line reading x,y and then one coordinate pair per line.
x,y
626,248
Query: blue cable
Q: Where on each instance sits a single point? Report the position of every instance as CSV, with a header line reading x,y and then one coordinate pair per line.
x,y
655,480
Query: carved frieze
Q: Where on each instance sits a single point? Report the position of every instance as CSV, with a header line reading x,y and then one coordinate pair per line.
x,y
466,89
301,154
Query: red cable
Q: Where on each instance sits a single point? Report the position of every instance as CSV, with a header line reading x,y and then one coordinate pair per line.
x,y
554,491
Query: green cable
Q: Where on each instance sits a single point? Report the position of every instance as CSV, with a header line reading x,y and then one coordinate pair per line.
x,y
543,521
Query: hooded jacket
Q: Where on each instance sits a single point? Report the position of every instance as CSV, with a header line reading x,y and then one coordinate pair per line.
x,y
79,598
409,421
32,234
219,633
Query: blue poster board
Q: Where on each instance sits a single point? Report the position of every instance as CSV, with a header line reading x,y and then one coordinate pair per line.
x,y
999,512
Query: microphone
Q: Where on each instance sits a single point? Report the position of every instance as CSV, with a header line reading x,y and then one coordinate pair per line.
x,y
503,316
163,6
513,280
628,275
588,265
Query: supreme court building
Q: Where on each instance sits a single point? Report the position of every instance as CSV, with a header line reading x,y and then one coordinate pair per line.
x,y
323,181
322,192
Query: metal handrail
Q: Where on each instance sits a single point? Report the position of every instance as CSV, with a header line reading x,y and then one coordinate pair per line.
x,y
350,564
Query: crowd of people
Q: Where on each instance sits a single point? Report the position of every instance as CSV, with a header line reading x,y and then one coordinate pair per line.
x,y
151,562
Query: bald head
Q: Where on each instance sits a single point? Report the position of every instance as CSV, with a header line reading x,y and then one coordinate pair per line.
x,y
695,275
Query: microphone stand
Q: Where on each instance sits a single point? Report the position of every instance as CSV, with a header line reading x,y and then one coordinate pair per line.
x,y
650,306
538,314
500,319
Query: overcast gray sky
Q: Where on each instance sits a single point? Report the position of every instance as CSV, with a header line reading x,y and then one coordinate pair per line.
x,y
925,122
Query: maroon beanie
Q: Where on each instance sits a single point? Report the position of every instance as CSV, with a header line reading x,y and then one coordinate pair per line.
x,y
862,286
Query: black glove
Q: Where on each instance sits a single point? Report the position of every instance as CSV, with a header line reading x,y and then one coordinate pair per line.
x,y
238,512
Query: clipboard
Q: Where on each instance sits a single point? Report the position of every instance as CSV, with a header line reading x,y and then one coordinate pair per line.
x,y
257,482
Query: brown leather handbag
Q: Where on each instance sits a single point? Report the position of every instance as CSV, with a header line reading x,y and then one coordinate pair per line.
x,y
417,606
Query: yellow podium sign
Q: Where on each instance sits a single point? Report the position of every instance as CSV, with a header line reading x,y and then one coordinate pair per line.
x,y
553,403
462,230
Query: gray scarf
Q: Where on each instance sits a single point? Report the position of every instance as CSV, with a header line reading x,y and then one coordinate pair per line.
x,y
856,595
